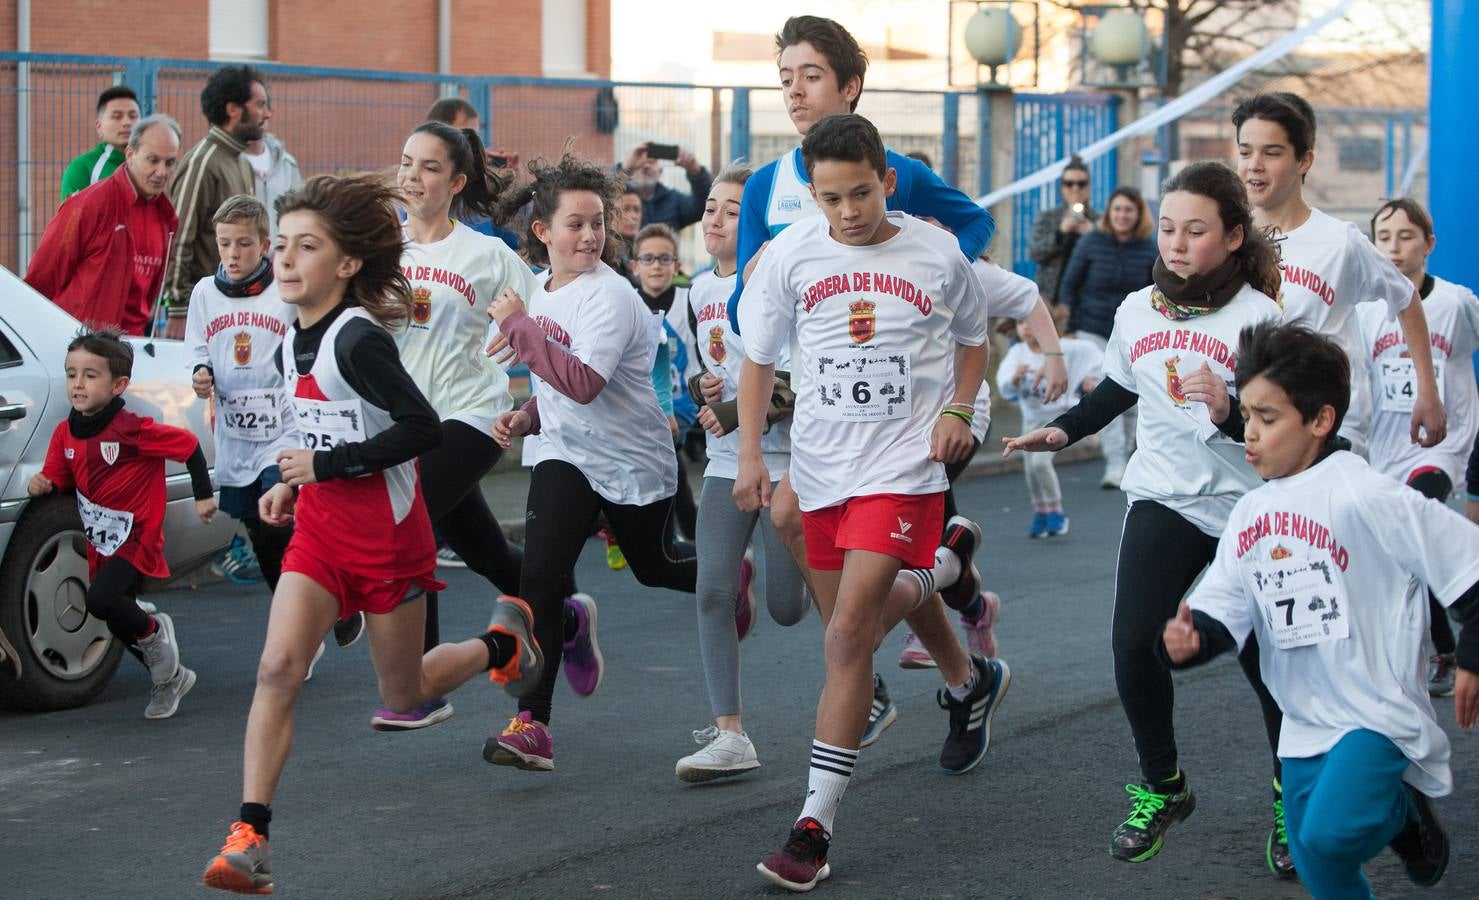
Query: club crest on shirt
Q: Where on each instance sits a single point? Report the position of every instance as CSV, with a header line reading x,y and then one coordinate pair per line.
x,y
242,347
862,321
1173,381
109,451
420,305
790,203
1279,552
716,344
69,453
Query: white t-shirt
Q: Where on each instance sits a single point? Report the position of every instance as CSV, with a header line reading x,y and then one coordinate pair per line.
x,y
877,329
620,440
443,343
1329,268
261,163
1453,327
1082,359
1008,295
1181,460
238,338
723,355
1331,568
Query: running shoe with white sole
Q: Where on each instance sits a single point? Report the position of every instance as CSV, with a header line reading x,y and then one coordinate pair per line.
x,y
980,634
164,699
160,651
448,559
1441,671
802,863
881,715
724,754
347,632
514,618
914,656
970,719
1152,814
582,663
244,865
524,744
432,712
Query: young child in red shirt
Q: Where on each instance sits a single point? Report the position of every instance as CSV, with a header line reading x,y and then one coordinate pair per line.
x,y
115,461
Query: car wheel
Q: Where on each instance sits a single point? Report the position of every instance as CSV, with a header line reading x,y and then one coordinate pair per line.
x,y
66,655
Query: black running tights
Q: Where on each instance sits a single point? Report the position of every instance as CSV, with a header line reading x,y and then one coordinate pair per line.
x,y
1436,485
113,598
1160,556
450,474
561,512
269,543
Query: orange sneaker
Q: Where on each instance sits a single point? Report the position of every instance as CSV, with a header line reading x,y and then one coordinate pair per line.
x,y
243,866
513,617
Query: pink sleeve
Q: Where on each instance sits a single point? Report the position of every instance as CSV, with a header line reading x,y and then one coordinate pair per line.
x,y
560,369
532,408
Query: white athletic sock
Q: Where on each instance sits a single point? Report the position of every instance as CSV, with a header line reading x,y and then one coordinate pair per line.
x,y
925,580
960,691
947,567
831,767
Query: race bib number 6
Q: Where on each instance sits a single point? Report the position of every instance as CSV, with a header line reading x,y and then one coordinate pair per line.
x,y
1303,601
329,423
863,385
106,529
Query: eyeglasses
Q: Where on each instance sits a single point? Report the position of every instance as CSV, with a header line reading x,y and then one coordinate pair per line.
x,y
648,259
1076,183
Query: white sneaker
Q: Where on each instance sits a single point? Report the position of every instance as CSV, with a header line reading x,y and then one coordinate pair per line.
x,y
725,753
164,699
317,654
1114,473
160,651
448,559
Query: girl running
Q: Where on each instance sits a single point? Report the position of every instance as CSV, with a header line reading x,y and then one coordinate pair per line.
x,y
723,529
362,540
599,441
454,273
1170,353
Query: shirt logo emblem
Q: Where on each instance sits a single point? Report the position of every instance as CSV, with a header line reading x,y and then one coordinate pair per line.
x,y
69,453
1173,381
242,347
421,305
1279,552
790,203
109,450
861,321
716,344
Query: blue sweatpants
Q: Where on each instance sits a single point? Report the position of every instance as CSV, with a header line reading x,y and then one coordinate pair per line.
x,y
1342,808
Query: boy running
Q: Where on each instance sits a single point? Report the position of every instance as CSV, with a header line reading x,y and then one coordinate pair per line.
x,y
890,327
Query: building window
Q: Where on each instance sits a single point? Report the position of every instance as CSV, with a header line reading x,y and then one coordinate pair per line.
x,y
1362,154
238,29
563,38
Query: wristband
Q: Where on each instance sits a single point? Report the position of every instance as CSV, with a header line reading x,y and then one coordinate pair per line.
x,y
968,407
968,419
1057,353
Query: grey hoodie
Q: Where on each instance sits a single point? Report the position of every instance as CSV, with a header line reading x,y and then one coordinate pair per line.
x,y
284,176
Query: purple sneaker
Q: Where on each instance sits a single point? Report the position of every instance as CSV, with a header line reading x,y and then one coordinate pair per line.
x,y
424,716
524,744
744,601
583,663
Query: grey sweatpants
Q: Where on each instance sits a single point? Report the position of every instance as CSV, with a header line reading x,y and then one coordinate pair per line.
x,y
723,535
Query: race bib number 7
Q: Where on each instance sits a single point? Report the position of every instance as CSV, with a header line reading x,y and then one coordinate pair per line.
x,y
106,529
863,385
1303,601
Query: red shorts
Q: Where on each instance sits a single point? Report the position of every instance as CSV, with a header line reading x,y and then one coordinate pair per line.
x,y
358,593
904,526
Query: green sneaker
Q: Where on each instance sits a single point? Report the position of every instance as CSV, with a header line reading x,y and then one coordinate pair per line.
x,y
1276,850
1141,835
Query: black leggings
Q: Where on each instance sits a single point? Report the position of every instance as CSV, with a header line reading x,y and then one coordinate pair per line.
x,y
269,543
1161,555
1436,485
449,484
685,510
113,598
952,472
562,509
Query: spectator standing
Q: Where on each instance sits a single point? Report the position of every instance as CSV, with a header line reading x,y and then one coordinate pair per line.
x,y
661,203
1107,264
102,257
1057,230
275,171
462,115
235,103
118,110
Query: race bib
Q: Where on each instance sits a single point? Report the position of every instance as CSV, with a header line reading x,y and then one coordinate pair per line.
x,y
329,423
1303,601
106,529
254,415
1399,383
857,385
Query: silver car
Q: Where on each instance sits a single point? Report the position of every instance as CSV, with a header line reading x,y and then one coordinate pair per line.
x,y
53,655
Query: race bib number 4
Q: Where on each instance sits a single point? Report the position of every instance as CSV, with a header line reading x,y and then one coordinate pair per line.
x,y
106,529
863,385
251,415
1399,383
1303,601
329,423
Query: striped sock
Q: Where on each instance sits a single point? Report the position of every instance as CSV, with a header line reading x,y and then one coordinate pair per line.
x,y
831,768
926,581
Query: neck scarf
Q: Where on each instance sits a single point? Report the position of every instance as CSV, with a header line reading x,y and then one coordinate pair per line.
x,y
1179,298
84,426
250,286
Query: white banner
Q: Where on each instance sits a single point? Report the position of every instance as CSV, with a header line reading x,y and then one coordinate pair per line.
x,y
1173,110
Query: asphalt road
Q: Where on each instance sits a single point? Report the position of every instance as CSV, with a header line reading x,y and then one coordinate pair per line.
x,y
98,802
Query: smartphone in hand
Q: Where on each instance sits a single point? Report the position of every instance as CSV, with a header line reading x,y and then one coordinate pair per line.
x,y
662,151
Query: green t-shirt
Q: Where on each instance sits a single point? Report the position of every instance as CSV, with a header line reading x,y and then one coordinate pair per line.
x,y
90,168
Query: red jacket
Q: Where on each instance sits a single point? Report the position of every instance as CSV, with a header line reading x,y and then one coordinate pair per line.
x,y
85,261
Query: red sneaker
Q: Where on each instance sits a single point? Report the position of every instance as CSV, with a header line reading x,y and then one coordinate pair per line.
x,y
802,863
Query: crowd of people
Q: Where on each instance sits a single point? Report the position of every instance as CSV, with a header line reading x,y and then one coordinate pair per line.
x,y
1267,383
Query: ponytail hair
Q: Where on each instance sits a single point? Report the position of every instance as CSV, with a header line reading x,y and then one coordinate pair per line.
x,y
542,194
1257,255
479,197
358,212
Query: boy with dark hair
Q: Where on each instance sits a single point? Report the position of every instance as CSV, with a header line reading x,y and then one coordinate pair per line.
x,y
115,460
1325,565
118,110
880,304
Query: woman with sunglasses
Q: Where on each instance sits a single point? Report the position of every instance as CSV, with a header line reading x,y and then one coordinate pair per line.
x,y
1057,230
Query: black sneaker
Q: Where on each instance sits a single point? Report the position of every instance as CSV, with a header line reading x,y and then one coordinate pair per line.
x,y
881,715
962,537
1276,849
1422,844
970,719
800,864
347,631
1141,835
